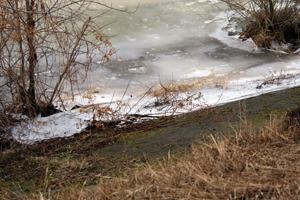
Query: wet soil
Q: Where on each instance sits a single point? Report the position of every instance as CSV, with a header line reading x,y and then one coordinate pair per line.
x,y
105,151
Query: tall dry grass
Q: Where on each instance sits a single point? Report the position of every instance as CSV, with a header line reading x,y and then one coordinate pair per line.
x,y
248,165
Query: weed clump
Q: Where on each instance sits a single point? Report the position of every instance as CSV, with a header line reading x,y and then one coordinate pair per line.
x,y
268,21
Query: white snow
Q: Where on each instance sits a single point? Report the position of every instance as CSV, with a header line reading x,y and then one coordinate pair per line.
x,y
69,122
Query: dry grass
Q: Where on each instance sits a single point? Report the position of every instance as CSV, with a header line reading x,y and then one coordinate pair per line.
x,y
180,93
215,79
249,165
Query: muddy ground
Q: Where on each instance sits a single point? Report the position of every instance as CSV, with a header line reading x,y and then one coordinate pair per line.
x,y
111,151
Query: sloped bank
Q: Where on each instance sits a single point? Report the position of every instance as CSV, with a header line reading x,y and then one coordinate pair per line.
x,y
178,135
85,158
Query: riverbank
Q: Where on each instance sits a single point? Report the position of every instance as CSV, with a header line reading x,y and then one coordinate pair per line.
x,y
109,151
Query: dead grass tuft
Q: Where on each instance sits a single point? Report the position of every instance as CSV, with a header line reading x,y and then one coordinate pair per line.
x,y
180,93
249,165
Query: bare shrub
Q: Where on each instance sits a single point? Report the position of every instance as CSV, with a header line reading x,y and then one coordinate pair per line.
x,y
40,43
276,78
267,21
46,46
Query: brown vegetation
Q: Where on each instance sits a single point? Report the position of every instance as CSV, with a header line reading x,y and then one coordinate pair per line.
x,y
46,49
33,35
269,21
249,165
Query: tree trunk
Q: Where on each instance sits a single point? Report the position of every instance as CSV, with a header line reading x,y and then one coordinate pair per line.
x,y
21,86
271,10
32,57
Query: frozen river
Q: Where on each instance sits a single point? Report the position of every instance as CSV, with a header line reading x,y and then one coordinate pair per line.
x,y
181,45
176,40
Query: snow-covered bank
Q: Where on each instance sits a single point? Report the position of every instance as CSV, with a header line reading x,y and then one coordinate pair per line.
x,y
69,122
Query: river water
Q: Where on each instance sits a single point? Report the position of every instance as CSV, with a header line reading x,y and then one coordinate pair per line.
x,y
179,44
165,41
